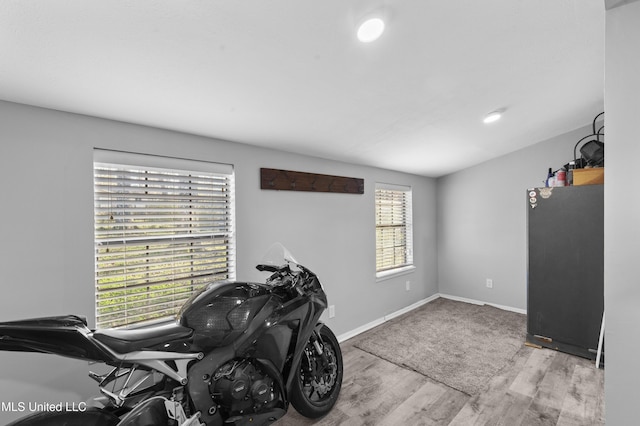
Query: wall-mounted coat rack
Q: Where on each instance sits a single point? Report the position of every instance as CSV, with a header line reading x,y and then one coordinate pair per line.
x,y
287,180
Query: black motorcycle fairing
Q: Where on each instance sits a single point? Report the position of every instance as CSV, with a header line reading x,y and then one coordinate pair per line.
x,y
267,342
60,320
300,344
67,336
200,374
222,312
305,311
123,341
151,412
275,344
279,337
199,379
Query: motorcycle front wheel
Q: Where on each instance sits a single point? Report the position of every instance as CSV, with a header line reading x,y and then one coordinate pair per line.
x,y
318,378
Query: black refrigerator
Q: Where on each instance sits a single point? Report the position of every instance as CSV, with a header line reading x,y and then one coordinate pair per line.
x,y
565,285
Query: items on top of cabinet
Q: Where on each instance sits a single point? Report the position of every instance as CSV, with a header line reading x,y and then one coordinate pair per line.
x,y
586,170
592,152
558,178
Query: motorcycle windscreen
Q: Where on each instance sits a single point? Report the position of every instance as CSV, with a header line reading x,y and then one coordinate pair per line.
x,y
63,335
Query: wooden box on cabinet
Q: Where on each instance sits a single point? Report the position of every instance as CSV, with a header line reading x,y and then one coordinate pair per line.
x,y
594,176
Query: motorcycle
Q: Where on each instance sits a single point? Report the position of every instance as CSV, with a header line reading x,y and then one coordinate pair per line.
x,y
237,354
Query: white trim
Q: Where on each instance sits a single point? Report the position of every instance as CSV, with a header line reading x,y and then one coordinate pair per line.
x,y
479,302
393,187
396,272
411,307
353,333
368,326
159,162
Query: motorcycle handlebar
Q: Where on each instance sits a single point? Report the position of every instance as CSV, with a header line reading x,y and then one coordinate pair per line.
x,y
267,268
281,274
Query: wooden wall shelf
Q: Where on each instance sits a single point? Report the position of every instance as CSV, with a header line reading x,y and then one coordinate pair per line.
x,y
287,180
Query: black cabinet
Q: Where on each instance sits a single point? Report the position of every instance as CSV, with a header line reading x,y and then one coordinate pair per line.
x,y
565,285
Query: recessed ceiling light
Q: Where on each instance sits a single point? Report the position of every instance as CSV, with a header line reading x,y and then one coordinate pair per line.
x,y
370,30
493,116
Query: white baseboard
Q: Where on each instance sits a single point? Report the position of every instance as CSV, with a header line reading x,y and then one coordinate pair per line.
x,y
411,307
368,326
353,333
479,302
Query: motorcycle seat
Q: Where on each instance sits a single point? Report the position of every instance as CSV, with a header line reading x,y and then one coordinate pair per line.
x,y
125,341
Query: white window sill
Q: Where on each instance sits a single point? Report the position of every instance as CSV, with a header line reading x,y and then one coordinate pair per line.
x,y
392,273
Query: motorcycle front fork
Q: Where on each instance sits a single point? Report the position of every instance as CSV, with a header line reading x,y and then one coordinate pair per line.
x,y
315,338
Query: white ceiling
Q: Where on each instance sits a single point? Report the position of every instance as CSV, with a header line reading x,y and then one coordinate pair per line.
x,y
290,74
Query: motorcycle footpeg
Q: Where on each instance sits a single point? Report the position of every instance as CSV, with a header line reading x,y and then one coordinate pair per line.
x,y
97,377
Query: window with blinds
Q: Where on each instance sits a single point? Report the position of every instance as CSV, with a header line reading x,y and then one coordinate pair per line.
x,y
163,229
394,245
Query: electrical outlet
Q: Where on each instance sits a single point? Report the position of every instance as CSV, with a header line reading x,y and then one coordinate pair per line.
x,y
489,283
408,285
332,311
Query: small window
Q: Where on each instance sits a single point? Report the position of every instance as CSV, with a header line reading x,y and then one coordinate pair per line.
x,y
163,230
394,230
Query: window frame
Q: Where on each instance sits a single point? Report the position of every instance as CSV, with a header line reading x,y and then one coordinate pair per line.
x,y
382,193
146,247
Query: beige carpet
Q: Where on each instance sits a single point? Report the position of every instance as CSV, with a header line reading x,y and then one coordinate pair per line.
x,y
459,344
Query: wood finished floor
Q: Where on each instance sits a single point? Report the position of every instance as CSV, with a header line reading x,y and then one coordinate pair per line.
x,y
541,387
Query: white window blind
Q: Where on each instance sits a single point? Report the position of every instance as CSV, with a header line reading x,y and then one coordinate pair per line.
x,y
161,233
394,230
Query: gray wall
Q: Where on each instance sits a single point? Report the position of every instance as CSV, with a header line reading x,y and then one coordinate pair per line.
x,y
482,221
46,225
622,214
